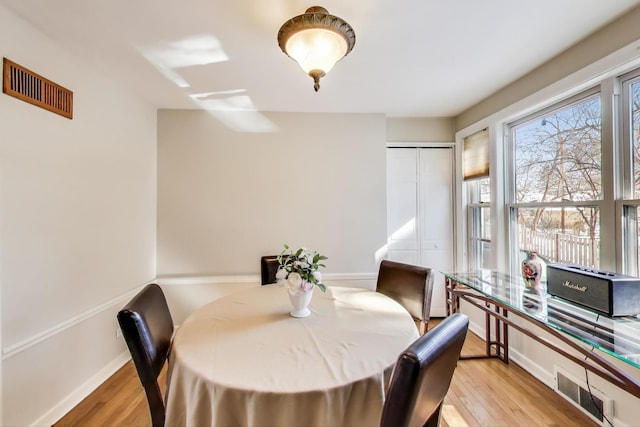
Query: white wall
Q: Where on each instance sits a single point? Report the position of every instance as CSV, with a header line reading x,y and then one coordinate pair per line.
x,y
420,129
77,228
225,197
616,35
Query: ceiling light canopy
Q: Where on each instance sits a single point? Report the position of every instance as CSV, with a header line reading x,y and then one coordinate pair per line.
x,y
316,40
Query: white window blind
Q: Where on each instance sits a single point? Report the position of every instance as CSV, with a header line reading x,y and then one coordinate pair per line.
x,y
475,159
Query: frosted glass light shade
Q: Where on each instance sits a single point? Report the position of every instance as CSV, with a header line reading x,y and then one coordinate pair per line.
x,y
316,49
316,40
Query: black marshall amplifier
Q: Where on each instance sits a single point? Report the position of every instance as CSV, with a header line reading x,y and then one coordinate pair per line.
x,y
609,293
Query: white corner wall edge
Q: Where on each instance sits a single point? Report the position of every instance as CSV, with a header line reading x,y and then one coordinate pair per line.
x,y
350,279
68,403
532,367
13,349
517,357
65,405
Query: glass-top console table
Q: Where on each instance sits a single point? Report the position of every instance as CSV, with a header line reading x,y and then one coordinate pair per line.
x,y
587,332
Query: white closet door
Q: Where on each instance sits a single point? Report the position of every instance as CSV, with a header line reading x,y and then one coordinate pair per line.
x,y
402,205
436,218
420,212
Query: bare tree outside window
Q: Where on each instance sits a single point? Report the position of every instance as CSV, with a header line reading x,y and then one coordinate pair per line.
x,y
632,211
634,99
557,169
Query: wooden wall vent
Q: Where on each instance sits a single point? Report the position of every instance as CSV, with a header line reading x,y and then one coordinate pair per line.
x,y
30,87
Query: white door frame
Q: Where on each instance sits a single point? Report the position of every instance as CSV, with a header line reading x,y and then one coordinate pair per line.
x,y
453,179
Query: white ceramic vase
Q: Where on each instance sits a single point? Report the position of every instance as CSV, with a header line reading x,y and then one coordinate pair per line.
x,y
532,270
300,303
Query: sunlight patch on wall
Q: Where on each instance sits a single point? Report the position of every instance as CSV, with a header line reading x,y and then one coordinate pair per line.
x,y
235,109
404,232
407,231
228,100
381,253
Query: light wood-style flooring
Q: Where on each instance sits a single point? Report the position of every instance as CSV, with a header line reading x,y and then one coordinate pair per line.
x,y
484,392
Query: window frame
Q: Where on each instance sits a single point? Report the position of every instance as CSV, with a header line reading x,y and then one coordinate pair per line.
x,y
476,237
629,229
511,205
606,74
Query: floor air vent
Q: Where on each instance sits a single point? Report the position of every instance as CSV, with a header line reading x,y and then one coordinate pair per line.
x,y
594,404
30,87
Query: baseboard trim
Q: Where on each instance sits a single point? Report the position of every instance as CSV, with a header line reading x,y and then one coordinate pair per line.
x,y
519,358
205,280
531,367
476,329
88,387
14,349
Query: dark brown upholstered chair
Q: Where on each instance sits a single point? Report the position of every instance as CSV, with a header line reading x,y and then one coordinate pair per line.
x,y
268,269
422,375
147,328
411,286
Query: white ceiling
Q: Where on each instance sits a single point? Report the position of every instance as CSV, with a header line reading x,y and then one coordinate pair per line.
x,y
412,58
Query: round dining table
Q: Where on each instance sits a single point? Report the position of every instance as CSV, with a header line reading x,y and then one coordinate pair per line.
x,y
243,360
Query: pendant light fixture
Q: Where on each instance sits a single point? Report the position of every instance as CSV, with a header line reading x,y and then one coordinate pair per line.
x,y
316,40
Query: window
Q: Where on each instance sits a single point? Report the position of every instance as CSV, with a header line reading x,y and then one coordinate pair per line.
x,y
631,182
479,195
566,182
631,98
476,175
556,185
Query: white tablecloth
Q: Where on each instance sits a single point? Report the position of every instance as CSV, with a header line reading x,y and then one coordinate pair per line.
x,y
242,360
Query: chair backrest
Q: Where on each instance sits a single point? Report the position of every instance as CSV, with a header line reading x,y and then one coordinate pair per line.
x,y
422,375
147,328
410,285
268,269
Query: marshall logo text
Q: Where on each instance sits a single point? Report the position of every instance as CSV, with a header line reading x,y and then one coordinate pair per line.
x,y
570,285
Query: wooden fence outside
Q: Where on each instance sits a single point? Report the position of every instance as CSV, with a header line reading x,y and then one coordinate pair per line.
x,y
561,247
